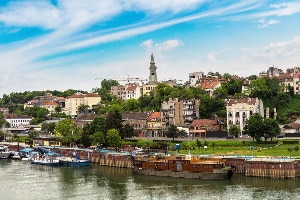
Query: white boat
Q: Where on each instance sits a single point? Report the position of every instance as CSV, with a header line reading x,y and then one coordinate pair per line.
x,y
47,160
4,152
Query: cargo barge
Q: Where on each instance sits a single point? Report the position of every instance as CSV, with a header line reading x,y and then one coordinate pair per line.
x,y
182,167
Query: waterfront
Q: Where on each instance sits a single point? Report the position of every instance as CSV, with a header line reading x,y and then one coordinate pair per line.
x,y
22,180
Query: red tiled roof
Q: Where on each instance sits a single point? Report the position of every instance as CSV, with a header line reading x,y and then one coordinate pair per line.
x,y
204,122
49,103
154,115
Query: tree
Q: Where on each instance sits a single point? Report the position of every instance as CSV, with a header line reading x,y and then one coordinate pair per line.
x,y
234,130
114,121
131,105
254,127
98,138
113,138
271,128
82,108
57,109
68,131
86,138
127,131
48,127
198,143
172,132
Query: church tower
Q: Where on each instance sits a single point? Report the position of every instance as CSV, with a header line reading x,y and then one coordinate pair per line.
x,y
152,68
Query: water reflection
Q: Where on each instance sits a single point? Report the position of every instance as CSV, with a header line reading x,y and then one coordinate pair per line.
x,y
22,180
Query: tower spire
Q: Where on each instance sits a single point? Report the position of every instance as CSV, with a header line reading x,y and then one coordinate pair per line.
x,y
152,68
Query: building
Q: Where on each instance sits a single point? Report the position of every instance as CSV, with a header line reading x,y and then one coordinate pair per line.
x,y
210,84
154,125
190,111
199,127
239,110
147,88
138,120
4,110
153,75
50,106
18,120
74,101
194,77
171,113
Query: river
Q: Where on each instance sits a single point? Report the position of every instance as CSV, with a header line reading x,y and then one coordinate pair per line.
x,y
21,180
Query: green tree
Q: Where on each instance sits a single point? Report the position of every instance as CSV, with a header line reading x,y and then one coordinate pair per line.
x,y
254,127
271,128
172,132
48,127
234,130
210,105
68,131
82,109
114,121
127,131
98,138
86,137
131,105
57,109
113,138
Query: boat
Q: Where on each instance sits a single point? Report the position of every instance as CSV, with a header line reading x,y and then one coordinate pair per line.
x,y
74,161
4,152
182,166
16,155
46,160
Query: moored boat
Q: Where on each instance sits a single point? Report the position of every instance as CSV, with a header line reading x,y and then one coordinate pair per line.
x,y
74,161
47,160
4,152
183,167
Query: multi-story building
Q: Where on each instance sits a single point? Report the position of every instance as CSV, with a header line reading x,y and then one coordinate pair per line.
x,y
171,113
210,84
154,125
147,88
18,120
239,110
138,120
190,111
50,106
129,91
194,77
74,101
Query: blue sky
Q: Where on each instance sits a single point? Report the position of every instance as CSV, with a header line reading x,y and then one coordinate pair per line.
x,y
66,44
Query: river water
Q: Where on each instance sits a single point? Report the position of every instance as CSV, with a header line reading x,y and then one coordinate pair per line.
x,y
22,180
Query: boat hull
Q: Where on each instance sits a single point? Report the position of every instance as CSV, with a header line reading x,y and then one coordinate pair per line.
x,y
46,162
74,162
5,155
184,174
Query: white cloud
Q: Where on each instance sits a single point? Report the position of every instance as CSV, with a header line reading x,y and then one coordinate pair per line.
x,y
283,9
284,48
158,48
170,6
30,14
265,23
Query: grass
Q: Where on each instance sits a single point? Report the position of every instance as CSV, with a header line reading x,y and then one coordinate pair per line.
x,y
276,148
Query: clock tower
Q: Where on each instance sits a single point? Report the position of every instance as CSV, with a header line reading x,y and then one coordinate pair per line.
x,y
152,68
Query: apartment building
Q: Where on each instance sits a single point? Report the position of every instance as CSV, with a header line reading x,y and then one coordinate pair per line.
x,y
239,110
74,101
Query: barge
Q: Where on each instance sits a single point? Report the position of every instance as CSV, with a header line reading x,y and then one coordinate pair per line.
x,y
182,167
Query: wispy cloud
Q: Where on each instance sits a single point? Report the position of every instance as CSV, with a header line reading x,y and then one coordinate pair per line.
x,y
265,23
158,48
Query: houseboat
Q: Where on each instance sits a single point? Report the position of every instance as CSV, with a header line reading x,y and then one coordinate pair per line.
x,y
183,166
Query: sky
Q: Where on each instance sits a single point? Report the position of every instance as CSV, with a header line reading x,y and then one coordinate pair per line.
x,y
72,44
